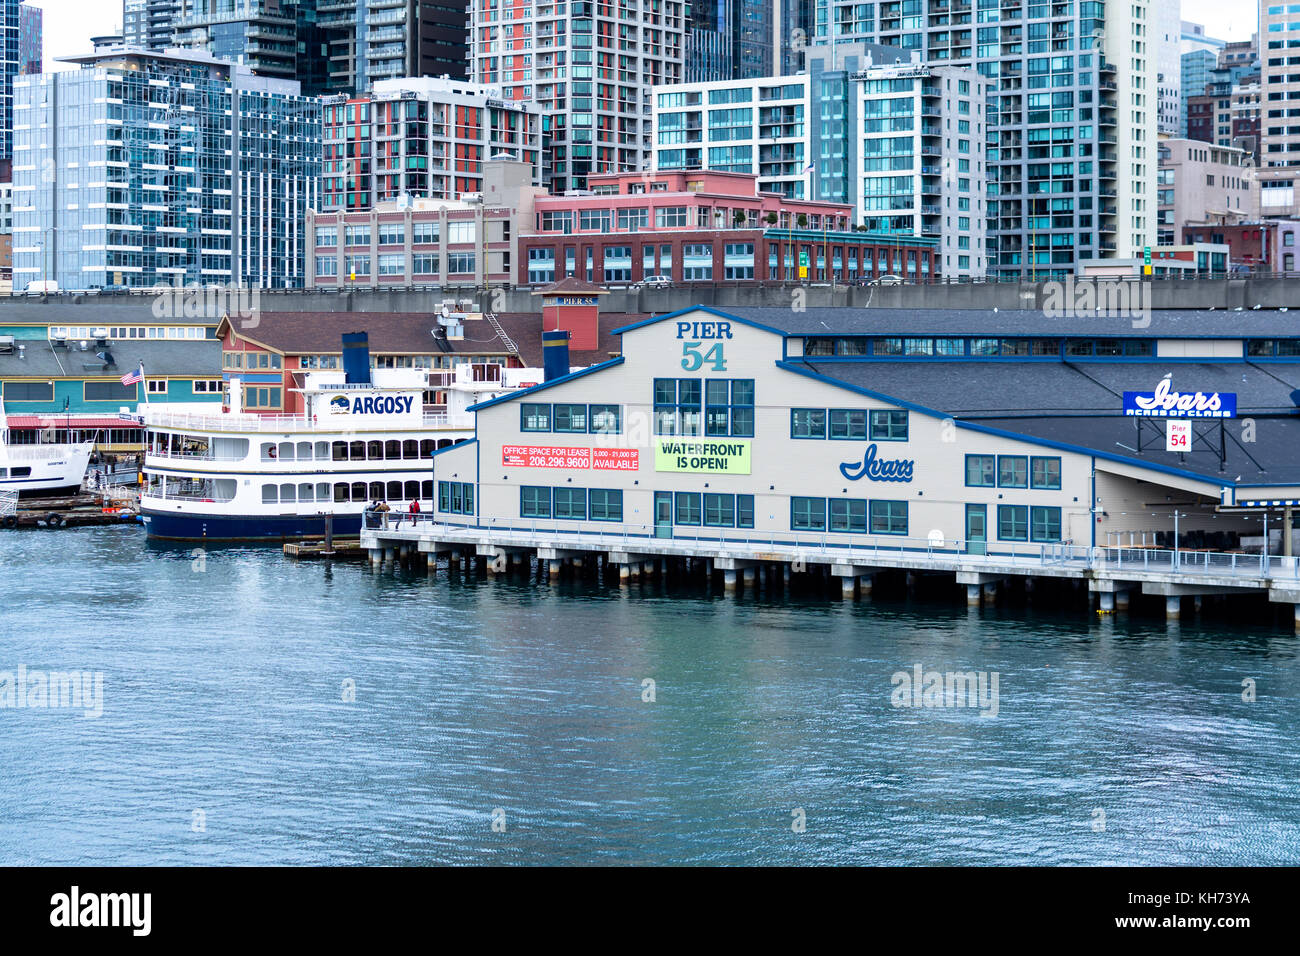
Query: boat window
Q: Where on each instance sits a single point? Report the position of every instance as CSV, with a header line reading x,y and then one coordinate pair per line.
x,y
21,473
377,490
288,494
270,495
392,449
304,451
306,492
375,450
412,490
322,451
358,491
357,451
426,447
323,491
426,490
340,493
340,451
394,490
445,443
286,450
410,448
268,451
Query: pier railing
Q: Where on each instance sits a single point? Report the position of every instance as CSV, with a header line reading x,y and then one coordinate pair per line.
x,y
280,423
843,547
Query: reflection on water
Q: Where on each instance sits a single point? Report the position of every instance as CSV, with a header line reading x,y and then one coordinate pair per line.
x,y
1120,741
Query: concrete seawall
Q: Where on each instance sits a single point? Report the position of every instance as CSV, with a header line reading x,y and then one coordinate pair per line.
x,y
1224,294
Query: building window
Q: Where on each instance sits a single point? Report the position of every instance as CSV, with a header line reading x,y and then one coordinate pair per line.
x,y
606,419
1045,473
534,418
606,504
670,217
981,471
541,265
113,391
729,408
327,266
697,262
424,264
738,261
534,502
849,423
36,391
424,233
808,514
327,236
392,265
807,423
618,264
677,406
460,263
358,235
455,497
1045,524
889,517
888,425
392,234
1013,522
570,418
156,386
848,514
687,507
358,266
1013,471
570,503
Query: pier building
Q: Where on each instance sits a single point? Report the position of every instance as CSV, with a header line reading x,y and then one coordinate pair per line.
x,y
1159,453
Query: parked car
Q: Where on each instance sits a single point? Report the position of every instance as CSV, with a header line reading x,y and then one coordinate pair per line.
x,y
42,287
887,280
653,282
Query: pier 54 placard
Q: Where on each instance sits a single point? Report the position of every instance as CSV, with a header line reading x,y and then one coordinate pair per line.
x,y
702,457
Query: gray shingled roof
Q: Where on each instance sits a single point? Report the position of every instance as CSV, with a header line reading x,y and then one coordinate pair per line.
x,y
182,357
1081,403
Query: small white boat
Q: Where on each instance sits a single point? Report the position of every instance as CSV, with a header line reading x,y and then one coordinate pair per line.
x,y
42,469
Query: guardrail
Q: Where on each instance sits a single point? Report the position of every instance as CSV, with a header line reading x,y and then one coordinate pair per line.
x,y
279,423
852,547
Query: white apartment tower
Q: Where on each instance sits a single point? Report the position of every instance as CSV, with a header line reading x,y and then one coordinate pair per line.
x,y
591,66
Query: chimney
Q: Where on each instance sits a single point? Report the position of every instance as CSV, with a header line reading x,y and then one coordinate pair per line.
x,y
356,358
555,354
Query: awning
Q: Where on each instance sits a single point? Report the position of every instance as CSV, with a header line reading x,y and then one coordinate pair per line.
x,y
74,421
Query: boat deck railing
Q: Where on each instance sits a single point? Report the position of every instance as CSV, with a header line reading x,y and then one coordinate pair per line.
x,y
854,548
283,423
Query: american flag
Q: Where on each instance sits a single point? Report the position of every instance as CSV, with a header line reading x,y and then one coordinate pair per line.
x,y
134,378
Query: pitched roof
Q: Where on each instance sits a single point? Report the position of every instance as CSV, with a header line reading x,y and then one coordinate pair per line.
x,y
160,357
401,333
572,285
525,328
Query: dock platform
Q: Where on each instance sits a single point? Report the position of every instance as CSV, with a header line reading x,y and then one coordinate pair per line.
x,y
1112,574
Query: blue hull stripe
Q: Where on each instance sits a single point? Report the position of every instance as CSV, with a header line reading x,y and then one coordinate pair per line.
x,y
183,527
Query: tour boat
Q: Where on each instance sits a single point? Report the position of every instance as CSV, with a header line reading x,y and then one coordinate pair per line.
x,y
41,469
238,476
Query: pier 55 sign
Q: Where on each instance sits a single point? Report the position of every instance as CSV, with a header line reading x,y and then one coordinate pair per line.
x,y
878,469
1164,402
702,457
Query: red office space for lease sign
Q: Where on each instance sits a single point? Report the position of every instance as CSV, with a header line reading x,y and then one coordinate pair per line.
x,y
550,456
545,456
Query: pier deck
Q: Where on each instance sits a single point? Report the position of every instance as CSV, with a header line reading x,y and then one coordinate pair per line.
x,y
1110,572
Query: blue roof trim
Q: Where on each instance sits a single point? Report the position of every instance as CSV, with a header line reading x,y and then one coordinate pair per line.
x,y
1003,433
459,444
699,308
600,367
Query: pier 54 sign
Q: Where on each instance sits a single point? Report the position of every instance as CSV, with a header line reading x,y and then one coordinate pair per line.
x,y
1164,402
878,469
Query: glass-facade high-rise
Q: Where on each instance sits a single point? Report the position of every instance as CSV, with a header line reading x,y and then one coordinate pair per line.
x,y
1071,122
729,39
141,169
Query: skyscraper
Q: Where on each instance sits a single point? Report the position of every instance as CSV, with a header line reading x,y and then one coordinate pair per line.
x,y
143,168
31,39
148,24
1072,116
729,39
591,65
